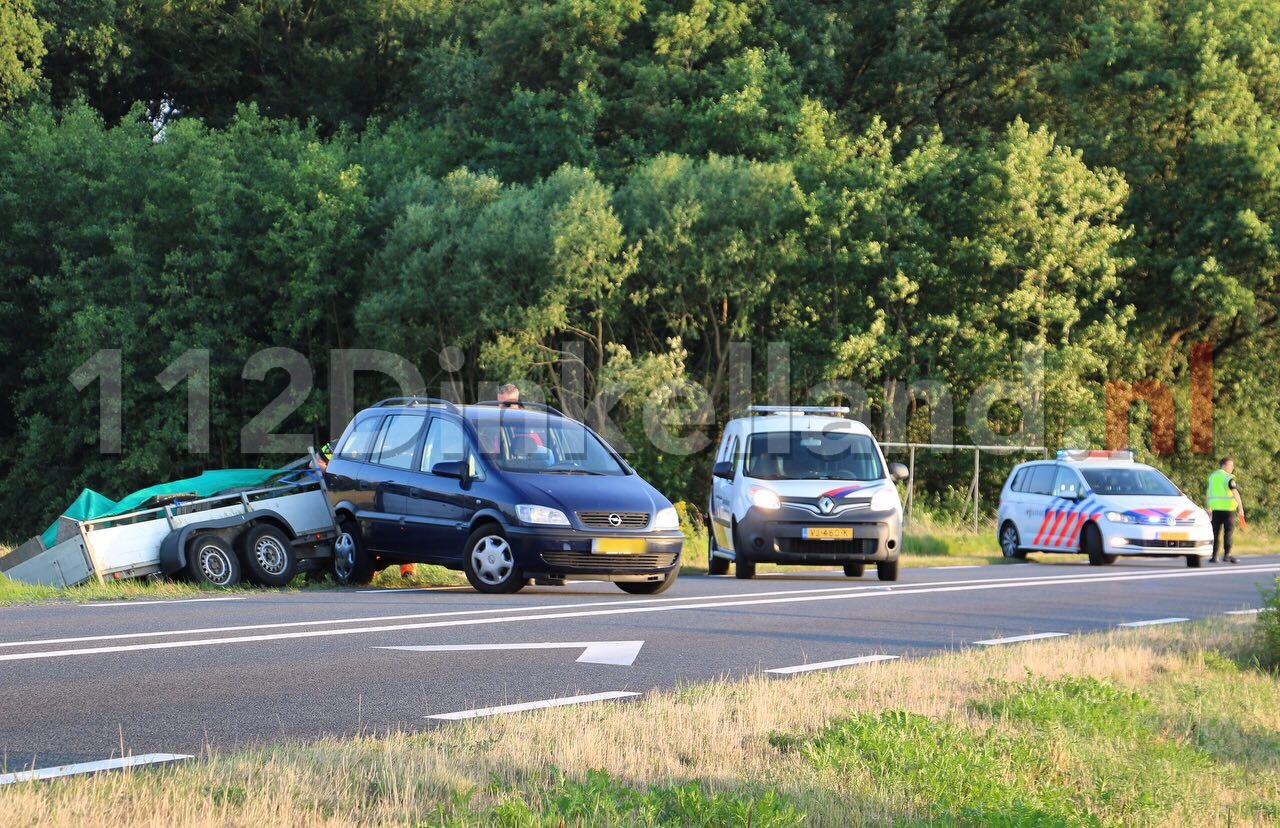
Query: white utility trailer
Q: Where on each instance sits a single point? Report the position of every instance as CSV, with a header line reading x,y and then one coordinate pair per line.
x,y
266,535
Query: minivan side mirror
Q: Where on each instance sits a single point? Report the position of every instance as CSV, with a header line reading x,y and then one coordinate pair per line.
x,y
898,471
456,469
723,470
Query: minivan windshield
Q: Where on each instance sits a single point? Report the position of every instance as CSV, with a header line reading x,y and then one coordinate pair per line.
x,y
544,445
1130,482
812,455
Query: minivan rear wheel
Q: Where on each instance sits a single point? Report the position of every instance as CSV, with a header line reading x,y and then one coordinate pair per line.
x,y
490,563
716,565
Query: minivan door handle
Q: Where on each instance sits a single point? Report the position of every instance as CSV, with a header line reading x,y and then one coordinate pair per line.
x,y
362,484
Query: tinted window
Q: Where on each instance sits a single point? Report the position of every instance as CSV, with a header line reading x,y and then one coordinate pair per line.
x,y
398,440
812,455
358,442
1019,480
1130,482
445,444
1067,483
1041,481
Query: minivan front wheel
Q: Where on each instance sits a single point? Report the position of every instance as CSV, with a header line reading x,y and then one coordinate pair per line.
x,y
490,563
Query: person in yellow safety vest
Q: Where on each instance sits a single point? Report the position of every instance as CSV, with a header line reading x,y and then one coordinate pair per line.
x,y
1222,499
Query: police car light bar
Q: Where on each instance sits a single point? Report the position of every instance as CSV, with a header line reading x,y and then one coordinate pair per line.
x,y
799,409
1123,455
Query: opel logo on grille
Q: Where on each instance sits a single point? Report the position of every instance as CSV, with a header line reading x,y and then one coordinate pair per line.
x,y
826,504
615,520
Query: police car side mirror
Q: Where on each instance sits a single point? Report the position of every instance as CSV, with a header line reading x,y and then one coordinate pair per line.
x,y
898,471
723,470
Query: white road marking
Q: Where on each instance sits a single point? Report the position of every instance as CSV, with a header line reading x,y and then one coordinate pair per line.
x,y
1254,611
964,566
627,608
39,774
1153,622
127,603
619,653
828,665
538,705
1013,639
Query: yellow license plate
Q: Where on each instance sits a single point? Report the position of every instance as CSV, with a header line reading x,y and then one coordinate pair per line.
x,y
829,533
1174,536
618,546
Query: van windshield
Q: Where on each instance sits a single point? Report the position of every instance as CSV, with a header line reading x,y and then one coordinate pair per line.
x,y
542,445
812,455
1129,482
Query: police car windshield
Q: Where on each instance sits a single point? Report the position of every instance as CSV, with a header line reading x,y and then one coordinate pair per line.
x,y
538,444
812,455
1147,482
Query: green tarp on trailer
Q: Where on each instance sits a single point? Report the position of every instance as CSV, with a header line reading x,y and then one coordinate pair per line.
x,y
90,504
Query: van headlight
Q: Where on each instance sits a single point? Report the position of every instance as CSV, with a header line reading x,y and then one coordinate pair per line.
x,y
884,500
666,519
1120,517
541,515
763,498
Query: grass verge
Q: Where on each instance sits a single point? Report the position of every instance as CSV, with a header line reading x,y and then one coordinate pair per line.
x,y
1161,726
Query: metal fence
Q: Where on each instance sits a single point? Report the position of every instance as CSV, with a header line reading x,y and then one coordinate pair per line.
x,y
977,467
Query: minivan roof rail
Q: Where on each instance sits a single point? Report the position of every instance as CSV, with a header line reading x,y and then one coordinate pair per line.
x,y
415,401
799,409
518,404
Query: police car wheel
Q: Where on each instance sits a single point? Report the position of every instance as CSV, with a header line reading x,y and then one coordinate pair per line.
x,y
1195,561
1091,545
854,570
1009,541
887,570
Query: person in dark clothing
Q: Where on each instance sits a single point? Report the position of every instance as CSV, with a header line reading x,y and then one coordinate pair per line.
x,y
1222,499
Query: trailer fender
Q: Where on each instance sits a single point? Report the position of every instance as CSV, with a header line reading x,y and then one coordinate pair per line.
x,y
173,549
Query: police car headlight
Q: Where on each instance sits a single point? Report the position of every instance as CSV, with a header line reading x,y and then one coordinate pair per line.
x,y
541,515
884,500
763,498
1119,517
666,519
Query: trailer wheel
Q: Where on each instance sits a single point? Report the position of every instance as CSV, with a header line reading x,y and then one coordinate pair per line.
x,y
211,561
268,555
351,563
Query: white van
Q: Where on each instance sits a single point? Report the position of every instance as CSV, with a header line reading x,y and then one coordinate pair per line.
x,y
803,485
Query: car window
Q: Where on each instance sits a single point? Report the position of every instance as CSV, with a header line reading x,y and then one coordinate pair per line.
x,y
812,455
1042,478
545,445
446,443
359,440
1019,481
729,450
1133,481
1067,483
398,440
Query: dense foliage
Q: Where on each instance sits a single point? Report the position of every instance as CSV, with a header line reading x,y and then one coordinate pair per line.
x,y
902,192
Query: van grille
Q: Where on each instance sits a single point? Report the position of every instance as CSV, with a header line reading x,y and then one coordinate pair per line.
x,y
832,548
625,520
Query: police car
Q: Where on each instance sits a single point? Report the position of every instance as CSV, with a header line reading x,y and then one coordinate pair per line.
x,y
802,485
1101,504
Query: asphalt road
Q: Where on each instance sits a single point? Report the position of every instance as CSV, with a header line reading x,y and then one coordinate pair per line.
x,y
81,683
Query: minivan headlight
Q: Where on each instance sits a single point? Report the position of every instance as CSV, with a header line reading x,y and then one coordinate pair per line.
x,y
763,498
666,519
541,515
883,500
1120,517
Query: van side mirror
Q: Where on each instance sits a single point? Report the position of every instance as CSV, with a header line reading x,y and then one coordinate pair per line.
x,y
456,469
723,470
898,471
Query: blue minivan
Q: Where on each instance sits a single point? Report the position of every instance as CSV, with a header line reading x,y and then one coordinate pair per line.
x,y
504,492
